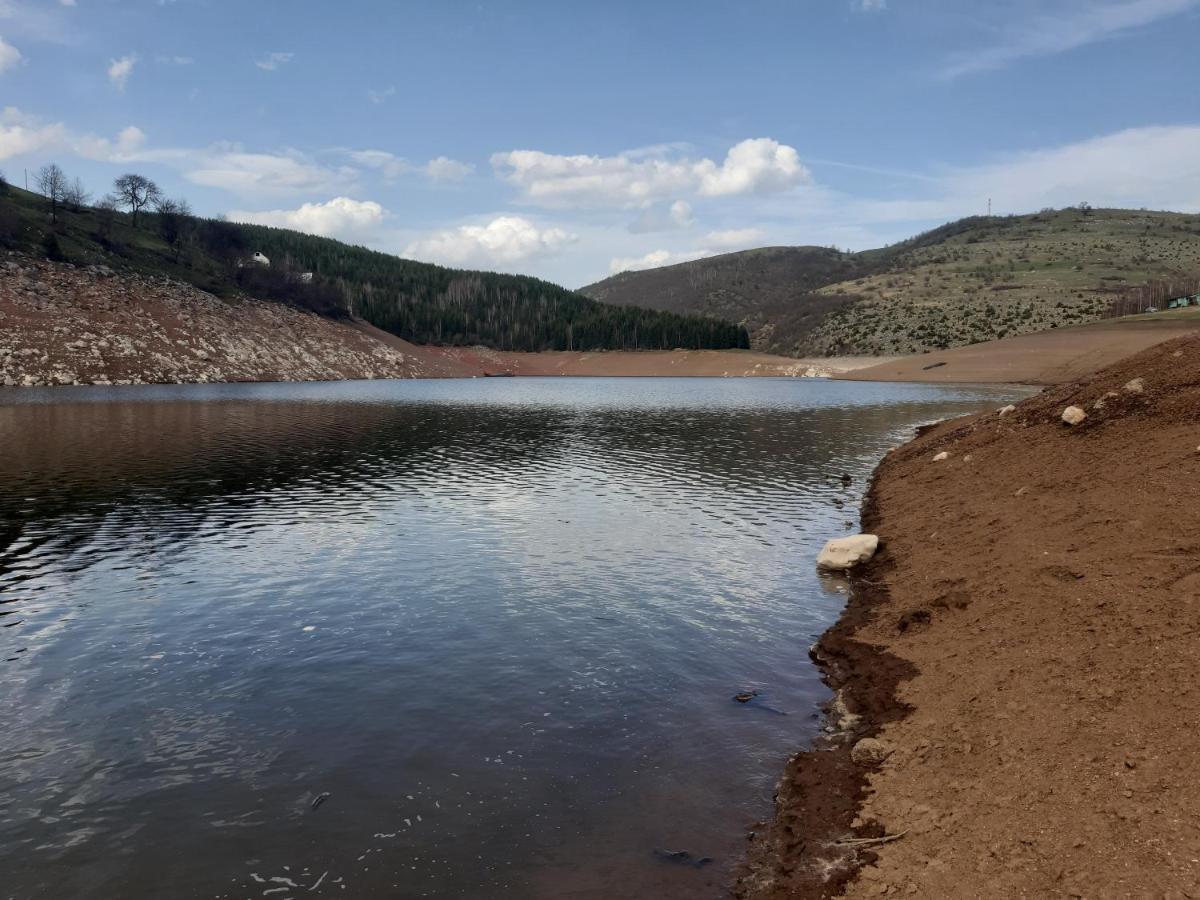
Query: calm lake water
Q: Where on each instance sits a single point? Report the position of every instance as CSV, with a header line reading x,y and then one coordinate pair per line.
x,y
449,639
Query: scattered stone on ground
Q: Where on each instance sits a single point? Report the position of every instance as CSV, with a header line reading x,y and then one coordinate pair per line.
x,y
869,752
840,554
1073,415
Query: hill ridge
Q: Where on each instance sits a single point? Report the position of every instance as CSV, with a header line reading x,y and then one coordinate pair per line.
x,y
420,302
971,280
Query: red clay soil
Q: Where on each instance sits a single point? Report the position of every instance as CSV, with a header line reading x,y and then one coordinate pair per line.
x,y
1025,648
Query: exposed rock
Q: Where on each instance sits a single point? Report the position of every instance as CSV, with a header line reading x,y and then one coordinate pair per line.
x,y
841,554
1135,386
870,752
941,456
1073,415
64,325
1005,410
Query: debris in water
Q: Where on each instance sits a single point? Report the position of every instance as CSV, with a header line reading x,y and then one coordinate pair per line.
x,y
321,798
745,696
683,857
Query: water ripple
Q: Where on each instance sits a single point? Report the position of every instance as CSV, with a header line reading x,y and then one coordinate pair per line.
x,y
497,624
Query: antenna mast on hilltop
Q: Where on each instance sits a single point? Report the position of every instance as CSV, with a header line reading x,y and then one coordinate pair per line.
x,y
989,207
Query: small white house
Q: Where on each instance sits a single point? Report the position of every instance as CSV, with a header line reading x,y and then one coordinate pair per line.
x,y
260,260
306,277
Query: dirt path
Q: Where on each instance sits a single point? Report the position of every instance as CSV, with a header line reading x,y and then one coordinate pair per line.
x,y
1026,649
1048,357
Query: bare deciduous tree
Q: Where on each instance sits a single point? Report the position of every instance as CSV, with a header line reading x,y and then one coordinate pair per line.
x,y
52,182
106,215
174,217
135,191
76,196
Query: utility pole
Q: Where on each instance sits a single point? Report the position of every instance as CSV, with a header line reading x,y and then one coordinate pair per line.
x,y
989,207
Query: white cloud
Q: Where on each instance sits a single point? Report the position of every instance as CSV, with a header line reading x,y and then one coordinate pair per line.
x,y
445,169
125,148
24,135
655,259
637,180
380,96
1085,22
869,5
755,166
225,166
663,218
339,217
1155,167
37,21
10,56
1158,167
235,170
119,71
502,241
390,165
734,237
66,2
715,242
273,61
21,134
175,60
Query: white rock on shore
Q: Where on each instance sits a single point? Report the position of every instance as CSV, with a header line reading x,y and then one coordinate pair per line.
x,y
941,456
1073,415
842,554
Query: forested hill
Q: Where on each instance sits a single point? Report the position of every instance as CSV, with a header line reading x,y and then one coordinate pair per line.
x,y
972,280
430,304
420,302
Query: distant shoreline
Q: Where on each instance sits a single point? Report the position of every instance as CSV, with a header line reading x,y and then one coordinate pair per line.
x,y
64,325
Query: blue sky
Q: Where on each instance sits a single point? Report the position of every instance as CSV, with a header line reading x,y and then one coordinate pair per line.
x,y
571,140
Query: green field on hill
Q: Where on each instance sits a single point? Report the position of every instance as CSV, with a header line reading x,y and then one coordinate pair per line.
x,y
973,280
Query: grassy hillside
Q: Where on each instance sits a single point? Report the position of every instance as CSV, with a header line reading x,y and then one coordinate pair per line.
x,y
973,280
420,302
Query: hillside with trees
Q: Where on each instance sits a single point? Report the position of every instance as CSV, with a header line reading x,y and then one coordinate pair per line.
x,y
137,229
973,280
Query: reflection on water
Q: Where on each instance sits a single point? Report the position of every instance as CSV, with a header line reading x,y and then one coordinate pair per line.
x,y
414,639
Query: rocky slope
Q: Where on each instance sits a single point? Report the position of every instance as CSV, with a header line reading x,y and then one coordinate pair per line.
x,y
62,324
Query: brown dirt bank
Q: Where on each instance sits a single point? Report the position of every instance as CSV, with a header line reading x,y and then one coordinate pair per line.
x,y
1026,647
1056,356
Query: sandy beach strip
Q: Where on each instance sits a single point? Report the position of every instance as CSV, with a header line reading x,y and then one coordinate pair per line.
x,y
1023,654
1055,356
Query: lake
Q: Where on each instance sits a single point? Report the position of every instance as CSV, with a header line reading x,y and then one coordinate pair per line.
x,y
472,638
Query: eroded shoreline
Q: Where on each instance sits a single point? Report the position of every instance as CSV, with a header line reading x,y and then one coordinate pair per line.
x,y
1007,649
